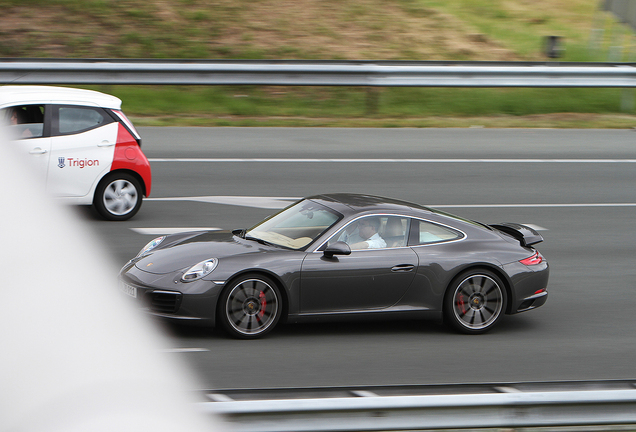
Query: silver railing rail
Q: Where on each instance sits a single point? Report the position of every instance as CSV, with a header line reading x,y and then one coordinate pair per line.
x,y
552,405
317,73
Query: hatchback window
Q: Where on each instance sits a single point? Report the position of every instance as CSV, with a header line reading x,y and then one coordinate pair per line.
x,y
78,119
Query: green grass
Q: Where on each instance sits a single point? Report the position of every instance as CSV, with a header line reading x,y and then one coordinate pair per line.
x,y
425,30
389,107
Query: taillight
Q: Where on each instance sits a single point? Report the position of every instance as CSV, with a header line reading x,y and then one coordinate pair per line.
x,y
128,124
535,259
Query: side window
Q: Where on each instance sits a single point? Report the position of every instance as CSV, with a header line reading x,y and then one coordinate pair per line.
x,y
394,230
76,119
374,232
423,232
26,121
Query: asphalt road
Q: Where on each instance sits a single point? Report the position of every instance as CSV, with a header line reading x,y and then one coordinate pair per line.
x,y
577,185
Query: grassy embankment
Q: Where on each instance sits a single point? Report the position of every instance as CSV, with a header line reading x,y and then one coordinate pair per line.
x,y
330,29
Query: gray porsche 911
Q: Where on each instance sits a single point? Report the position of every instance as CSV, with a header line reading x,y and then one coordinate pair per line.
x,y
337,255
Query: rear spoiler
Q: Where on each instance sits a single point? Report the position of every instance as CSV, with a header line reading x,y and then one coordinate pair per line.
x,y
526,235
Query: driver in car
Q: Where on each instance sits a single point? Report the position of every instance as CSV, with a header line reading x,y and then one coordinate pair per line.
x,y
368,231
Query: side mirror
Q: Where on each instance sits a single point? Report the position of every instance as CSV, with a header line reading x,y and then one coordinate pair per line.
x,y
338,248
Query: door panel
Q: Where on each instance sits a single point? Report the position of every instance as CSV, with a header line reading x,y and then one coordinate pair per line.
x,y
366,279
37,153
28,132
80,159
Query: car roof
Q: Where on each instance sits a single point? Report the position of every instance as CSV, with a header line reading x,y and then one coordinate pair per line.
x,y
347,203
351,205
12,95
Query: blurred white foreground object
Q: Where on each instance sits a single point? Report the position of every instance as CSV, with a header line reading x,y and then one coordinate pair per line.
x,y
75,355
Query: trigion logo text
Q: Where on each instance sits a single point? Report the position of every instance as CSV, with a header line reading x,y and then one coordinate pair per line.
x,y
75,162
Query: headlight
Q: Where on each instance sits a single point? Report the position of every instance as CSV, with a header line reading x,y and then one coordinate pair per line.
x,y
151,245
200,270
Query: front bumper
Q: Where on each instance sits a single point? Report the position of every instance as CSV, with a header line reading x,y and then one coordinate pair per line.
x,y
191,303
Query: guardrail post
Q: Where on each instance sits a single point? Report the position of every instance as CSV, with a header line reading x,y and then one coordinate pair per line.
x,y
627,100
373,97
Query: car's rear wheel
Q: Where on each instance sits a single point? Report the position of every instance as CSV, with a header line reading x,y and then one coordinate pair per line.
x,y
475,301
118,196
250,307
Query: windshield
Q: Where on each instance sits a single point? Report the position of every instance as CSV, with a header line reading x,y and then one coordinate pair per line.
x,y
296,226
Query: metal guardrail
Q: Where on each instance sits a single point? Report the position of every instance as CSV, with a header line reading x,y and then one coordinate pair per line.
x,y
317,73
399,408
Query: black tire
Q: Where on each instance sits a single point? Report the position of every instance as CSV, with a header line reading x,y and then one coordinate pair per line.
x,y
475,301
118,196
250,306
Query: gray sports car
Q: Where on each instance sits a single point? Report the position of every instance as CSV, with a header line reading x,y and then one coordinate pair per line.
x,y
337,255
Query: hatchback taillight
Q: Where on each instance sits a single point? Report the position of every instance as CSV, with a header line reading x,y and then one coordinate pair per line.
x,y
128,124
535,259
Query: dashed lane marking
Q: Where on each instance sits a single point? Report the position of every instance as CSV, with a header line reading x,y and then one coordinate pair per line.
x,y
162,231
282,202
184,350
535,227
244,201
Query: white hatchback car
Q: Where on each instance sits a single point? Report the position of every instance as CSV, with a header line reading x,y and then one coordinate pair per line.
x,y
83,146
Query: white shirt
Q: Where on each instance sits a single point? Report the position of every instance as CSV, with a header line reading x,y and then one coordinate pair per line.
x,y
375,242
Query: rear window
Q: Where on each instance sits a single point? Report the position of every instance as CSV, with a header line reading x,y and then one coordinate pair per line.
x,y
79,119
423,233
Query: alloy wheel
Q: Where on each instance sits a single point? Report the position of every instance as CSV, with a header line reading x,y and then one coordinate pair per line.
x,y
120,197
477,302
252,307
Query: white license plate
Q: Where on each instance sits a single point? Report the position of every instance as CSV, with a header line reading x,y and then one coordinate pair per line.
x,y
130,290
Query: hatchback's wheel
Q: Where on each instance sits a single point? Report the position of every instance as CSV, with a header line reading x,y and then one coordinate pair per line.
x,y
475,301
118,196
250,307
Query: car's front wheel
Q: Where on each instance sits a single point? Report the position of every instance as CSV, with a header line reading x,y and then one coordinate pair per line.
x,y
250,307
118,196
475,301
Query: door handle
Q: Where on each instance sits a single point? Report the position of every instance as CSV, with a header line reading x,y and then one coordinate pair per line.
x,y
37,150
105,144
403,268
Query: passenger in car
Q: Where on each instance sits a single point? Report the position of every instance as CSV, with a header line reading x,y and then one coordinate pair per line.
x,y
368,229
394,232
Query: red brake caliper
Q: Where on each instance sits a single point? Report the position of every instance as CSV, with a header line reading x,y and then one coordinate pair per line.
x,y
261,297
461,304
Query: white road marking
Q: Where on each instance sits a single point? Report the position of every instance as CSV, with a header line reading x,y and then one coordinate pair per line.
x,y
184,350
216,397
282,202
532,205
245,201
362,160
363,393
508,390
161,231
535,227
